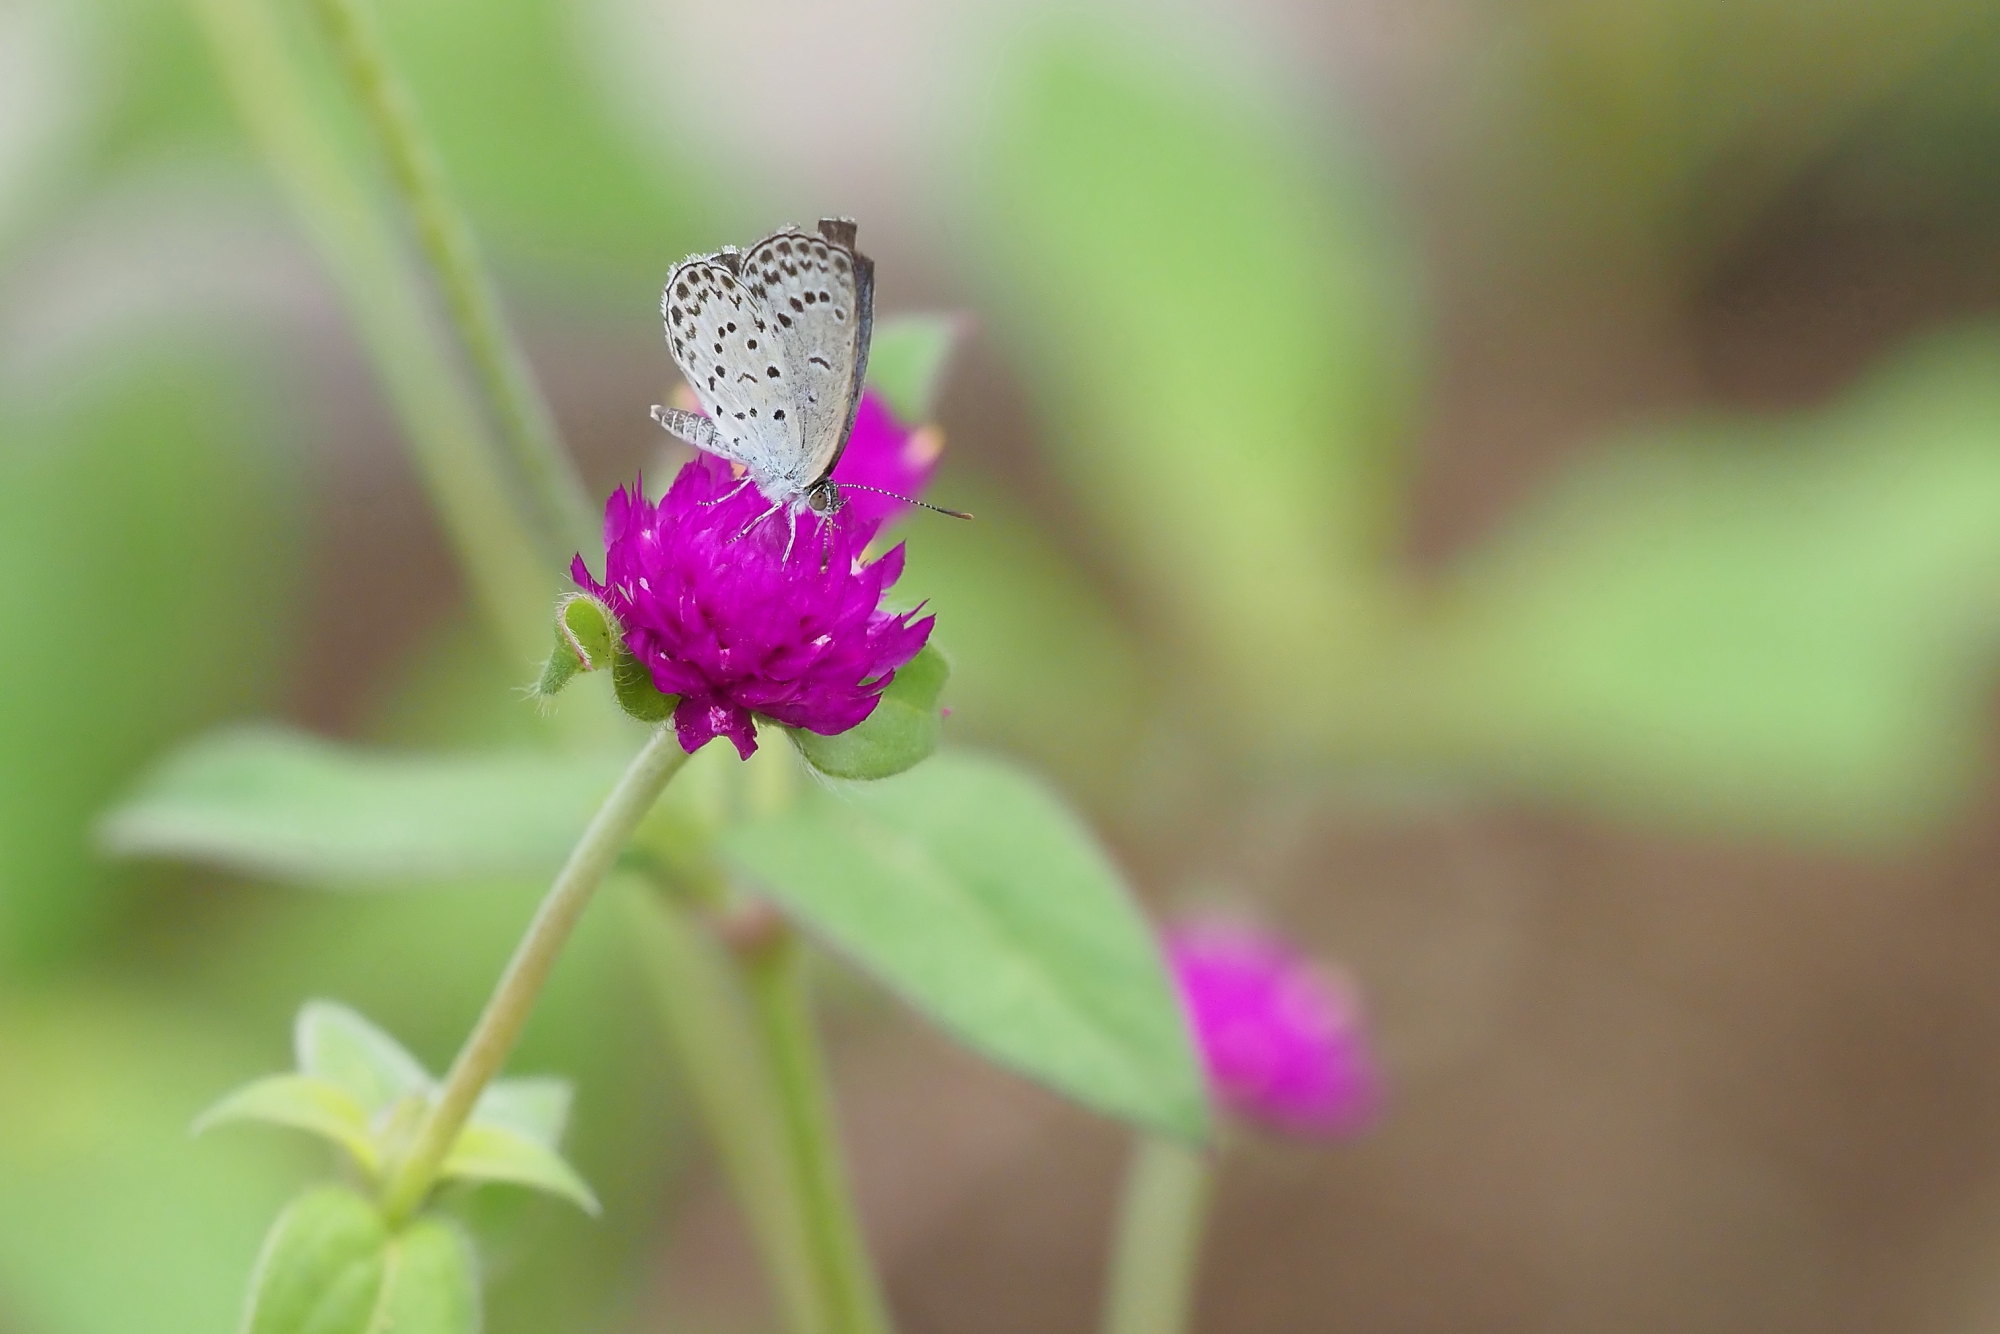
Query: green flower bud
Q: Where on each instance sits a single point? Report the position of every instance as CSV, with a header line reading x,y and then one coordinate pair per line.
x,y
585,635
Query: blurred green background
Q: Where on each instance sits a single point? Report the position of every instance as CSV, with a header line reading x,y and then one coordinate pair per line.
x,y
1511,490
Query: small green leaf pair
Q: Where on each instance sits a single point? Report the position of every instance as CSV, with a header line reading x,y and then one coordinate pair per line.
x,y
356,1086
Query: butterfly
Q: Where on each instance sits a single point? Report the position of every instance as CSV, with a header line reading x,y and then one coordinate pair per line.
x,y
773,341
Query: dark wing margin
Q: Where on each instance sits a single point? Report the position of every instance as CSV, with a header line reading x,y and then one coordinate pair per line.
x,y
842,232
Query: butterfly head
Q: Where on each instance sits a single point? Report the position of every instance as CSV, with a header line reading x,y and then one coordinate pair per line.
x,y
823,498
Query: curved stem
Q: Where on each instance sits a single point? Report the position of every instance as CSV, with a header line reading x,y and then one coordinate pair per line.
x,y
500,1024
497,545
1159,1239
526,424
775,979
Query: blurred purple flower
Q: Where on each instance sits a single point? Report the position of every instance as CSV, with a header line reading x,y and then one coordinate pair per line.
x,y
724,620
1282,1038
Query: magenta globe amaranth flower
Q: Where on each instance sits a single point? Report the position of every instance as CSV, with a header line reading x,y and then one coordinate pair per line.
x,y
1281,1036
779,618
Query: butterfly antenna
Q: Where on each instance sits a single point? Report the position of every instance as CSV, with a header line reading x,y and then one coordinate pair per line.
x,y
897,495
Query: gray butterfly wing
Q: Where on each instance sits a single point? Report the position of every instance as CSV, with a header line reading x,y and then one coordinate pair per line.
x,y
818,294
736,361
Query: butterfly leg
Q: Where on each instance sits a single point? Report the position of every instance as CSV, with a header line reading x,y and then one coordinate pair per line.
x,y
730,494
744,531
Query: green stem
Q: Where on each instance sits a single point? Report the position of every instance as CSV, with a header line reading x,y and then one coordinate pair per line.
x,y
702,1008
774,976
498,544
1159,1239
500,1024
447,240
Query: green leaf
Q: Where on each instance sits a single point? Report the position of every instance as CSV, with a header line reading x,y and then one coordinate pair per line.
x,y
321,1270
488,1151
901,732
1222,328
332,1266
317,1106
906,363
335,1044
1763,625
534,1105
970,889
267,801
434,1287
637,694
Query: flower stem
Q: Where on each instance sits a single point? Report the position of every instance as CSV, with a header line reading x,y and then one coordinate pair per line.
x,y
526,424
1159,1239
774,977
701,1005
499,1026
498,543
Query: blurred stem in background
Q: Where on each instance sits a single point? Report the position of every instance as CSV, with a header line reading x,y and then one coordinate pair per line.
x,y
734,999
499,546
527,427
499,1027
731,1083
774,972
1153,1263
